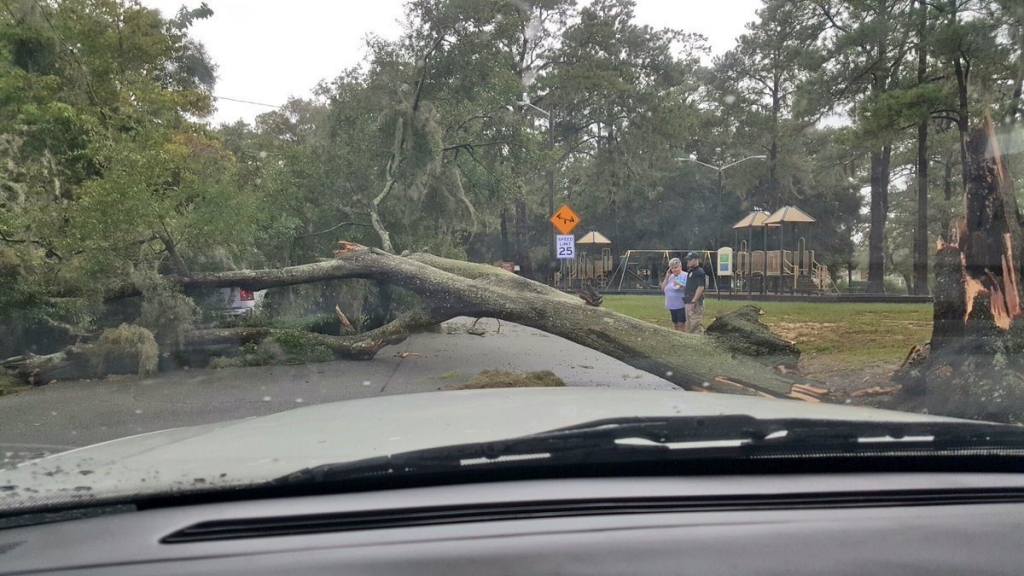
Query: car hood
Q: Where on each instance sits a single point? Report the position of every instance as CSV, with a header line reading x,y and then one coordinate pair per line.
x,y
255,450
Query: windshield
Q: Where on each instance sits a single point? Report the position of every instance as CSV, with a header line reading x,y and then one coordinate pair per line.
x,y
318,233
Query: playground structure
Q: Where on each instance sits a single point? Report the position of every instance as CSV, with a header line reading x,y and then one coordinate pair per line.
x,y
780,270
643,270
785,269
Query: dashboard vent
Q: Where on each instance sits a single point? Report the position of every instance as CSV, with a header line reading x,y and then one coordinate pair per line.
x,y
267,527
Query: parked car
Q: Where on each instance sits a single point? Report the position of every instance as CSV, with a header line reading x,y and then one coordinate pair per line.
x,y
238,301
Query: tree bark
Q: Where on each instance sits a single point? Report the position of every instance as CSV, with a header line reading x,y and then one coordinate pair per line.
x,y
523,256
451,288
879,217
947,182
962,70
504,235
921,231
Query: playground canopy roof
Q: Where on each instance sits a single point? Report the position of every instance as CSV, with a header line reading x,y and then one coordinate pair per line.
x,y
788,215
593,238
753,220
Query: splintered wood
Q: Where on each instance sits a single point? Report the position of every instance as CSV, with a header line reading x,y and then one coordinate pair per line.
x,y
985,237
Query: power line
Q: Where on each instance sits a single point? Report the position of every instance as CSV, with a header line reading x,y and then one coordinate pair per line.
x,y
275,106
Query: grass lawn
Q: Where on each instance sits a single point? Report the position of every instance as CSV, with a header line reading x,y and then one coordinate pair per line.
x,y
854,341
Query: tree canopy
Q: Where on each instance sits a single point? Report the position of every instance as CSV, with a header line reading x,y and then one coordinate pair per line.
x,y
111,171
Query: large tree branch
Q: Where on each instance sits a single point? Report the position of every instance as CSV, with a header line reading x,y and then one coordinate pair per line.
x,y
454,288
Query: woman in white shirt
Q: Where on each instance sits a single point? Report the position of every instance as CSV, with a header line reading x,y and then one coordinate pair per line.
x,y
673,285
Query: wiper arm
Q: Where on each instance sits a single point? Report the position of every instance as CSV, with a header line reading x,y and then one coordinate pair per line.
x,y
680,437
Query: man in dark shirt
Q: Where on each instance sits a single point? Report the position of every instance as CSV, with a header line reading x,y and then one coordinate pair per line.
x,y
693,297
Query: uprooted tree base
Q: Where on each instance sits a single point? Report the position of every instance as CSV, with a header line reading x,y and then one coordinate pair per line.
x,y
450,288
974,365
981,378
742,332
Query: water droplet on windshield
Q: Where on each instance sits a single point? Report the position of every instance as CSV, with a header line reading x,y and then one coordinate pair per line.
x,y
366,383
53,413
298,400
668,374
138,411
266,398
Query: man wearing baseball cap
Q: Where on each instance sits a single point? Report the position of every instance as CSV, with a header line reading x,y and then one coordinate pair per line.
x,y
693,297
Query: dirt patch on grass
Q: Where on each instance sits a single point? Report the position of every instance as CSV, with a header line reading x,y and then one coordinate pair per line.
x,y
802,331
503,379
864,385
839,375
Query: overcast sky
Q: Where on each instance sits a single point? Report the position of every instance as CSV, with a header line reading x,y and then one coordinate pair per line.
x,y
268,50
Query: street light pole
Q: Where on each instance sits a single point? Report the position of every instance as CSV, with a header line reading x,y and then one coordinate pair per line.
x,y
720,170
718,216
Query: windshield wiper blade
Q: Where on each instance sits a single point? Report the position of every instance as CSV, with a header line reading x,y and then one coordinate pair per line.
x,y
680,437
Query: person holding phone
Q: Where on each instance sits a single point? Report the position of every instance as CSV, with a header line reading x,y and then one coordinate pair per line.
x,y
674,286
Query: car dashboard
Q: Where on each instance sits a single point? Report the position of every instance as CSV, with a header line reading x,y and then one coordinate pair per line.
x,y
930,523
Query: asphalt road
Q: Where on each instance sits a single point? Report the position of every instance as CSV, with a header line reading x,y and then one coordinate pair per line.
x,y
67,415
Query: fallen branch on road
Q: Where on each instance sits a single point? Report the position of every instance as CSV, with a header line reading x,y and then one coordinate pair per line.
x,y
451,288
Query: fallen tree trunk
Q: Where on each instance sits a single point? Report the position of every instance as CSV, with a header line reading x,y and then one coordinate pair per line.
x,y
450,288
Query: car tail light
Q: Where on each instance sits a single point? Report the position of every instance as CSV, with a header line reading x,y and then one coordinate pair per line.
x,y
245,295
